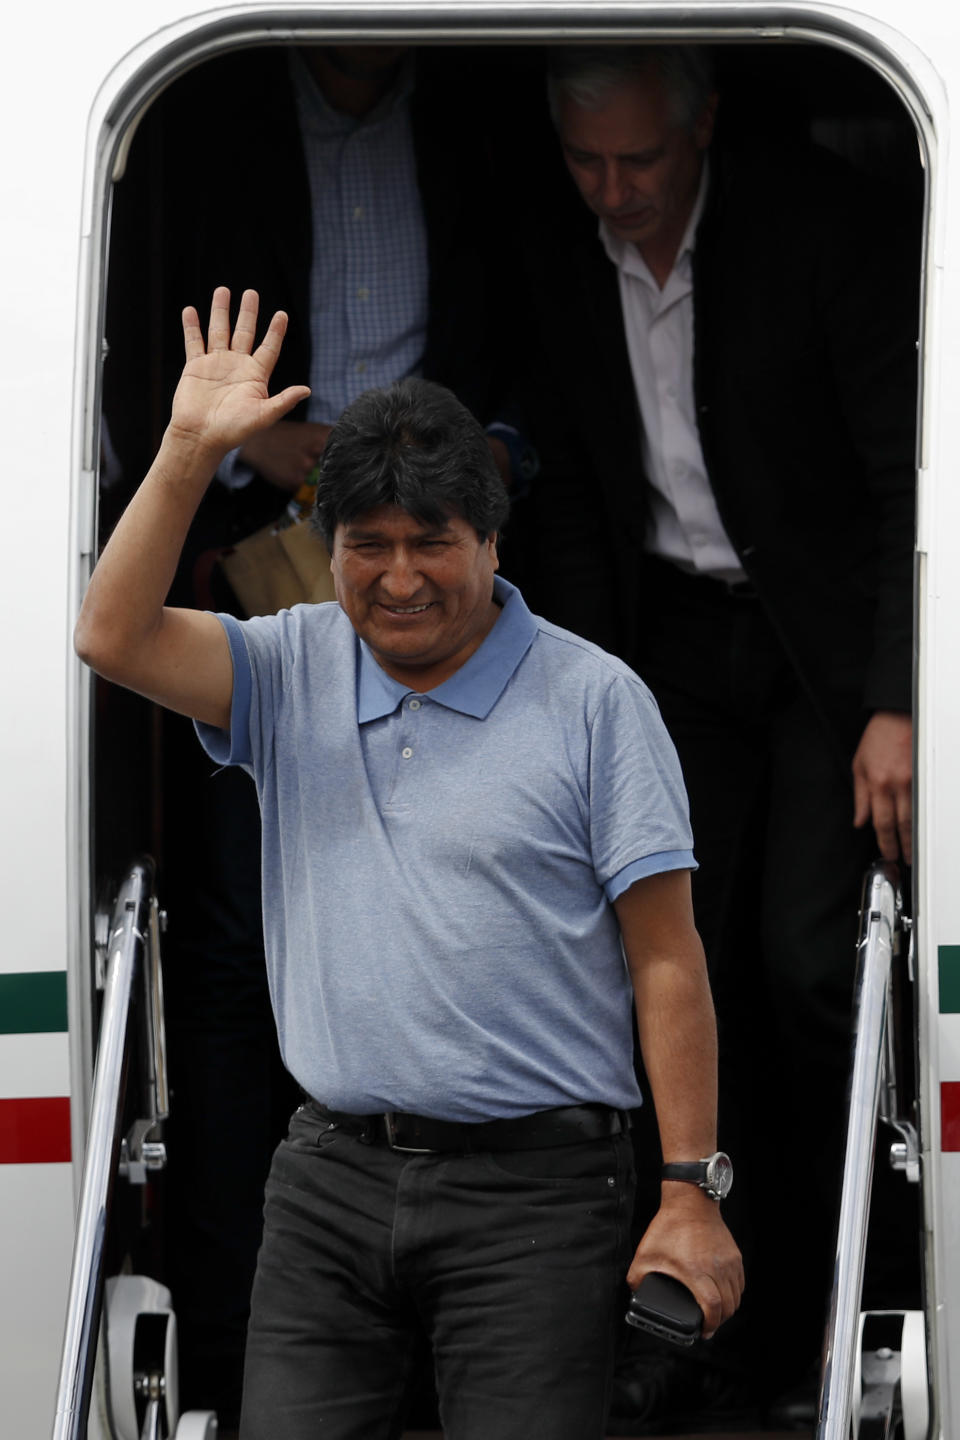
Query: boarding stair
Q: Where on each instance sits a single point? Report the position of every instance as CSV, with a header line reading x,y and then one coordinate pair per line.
x,y
120,1341
875,1376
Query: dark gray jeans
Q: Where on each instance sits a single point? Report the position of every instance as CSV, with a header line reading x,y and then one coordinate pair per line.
x,y
512,1263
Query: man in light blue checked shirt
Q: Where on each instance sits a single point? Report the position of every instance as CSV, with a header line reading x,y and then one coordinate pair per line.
x,y
476,850
369,289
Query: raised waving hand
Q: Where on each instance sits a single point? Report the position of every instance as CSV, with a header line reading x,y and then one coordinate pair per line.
x,y
125,631
223,395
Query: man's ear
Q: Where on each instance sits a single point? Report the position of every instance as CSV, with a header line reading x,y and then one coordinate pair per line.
x,y
705,121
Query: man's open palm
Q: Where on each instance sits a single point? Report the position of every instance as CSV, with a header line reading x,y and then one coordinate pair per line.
x,y
223,395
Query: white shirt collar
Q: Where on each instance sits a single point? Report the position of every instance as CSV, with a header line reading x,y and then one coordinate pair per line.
x,y
625,254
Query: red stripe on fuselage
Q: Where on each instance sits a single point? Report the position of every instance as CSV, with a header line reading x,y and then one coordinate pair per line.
x,y
950,1115
35,1131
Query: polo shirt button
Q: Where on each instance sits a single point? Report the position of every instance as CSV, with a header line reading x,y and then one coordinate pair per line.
x,y
406,752
414,704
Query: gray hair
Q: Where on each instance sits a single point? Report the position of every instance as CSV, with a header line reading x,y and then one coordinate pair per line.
x,y
589,74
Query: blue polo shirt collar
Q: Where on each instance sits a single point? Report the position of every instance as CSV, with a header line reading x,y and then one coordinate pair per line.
x,y
476,687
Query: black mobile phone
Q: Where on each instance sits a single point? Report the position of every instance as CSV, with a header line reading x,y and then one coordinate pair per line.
x,y
666,1308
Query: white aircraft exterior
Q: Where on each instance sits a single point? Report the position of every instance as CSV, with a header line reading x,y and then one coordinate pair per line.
x,y
75,78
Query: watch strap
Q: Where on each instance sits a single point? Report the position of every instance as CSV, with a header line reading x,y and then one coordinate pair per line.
x,y
693,1171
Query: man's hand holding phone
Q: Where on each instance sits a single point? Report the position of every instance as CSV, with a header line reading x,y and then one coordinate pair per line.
x,y
688,1243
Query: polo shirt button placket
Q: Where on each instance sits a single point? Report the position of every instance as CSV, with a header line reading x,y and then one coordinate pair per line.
x,y
411,704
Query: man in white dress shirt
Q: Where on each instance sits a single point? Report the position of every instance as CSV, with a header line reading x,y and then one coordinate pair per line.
x,y
735,376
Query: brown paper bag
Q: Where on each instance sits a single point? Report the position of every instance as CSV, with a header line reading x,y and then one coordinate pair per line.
x,y
273,569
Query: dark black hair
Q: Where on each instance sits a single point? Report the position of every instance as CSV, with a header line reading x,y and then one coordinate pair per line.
x,y
413,445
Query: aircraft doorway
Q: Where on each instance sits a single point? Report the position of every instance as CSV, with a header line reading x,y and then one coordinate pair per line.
x,y
187,213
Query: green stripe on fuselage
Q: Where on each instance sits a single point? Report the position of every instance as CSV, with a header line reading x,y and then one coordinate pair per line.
x,y
949,961
33,1002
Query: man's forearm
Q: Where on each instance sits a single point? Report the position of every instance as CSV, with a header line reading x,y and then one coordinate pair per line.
x,y
124,602
678,1040
687,1237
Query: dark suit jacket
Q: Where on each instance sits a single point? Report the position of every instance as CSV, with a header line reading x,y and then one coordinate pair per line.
x,y
239,206
805,304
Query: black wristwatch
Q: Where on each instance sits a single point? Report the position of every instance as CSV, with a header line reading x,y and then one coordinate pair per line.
x,y
714,1175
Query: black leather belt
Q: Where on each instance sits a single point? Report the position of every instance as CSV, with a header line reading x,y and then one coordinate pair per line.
x,y
420,1135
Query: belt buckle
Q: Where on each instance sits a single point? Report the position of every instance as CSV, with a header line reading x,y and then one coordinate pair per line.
x,y
403,1149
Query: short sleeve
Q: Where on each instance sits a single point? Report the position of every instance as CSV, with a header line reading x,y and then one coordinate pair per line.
x,y
639,816
254,653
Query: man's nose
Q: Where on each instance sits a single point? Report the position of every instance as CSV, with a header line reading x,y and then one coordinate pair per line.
x,y
614,188
402,577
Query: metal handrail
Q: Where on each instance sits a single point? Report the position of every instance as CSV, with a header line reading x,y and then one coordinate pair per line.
x,y
129,942
879,921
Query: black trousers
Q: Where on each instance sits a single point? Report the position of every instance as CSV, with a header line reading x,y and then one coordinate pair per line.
x,y
513,1264
776,901
231,1095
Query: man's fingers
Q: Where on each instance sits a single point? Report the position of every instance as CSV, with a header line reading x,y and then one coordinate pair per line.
x,y
726,1285
882,782
193,345
717,1291
731,1290
885,824
906,841
861,797
905,823
245,330
218,332
718,1297
892,814
269,347
277,406
702,1287
709,1299
890,808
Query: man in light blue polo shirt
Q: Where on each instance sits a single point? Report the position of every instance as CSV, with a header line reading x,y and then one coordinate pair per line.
x,y
476,850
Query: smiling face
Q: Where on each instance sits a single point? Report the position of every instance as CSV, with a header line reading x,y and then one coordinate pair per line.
x,y
636,167
421,596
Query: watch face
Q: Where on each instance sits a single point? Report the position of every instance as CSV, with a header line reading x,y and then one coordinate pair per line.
x,y
719,1176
